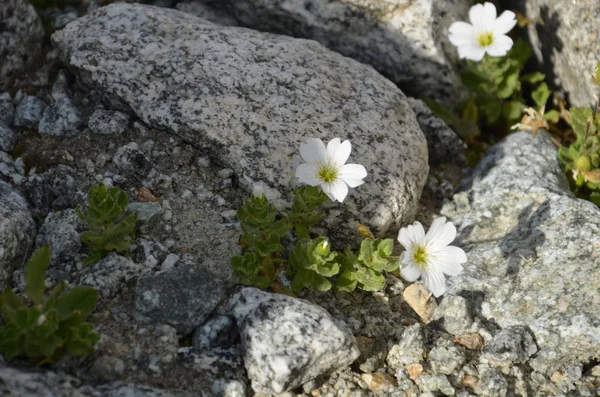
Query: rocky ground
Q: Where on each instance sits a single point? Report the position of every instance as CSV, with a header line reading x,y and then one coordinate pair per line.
x,y
186,106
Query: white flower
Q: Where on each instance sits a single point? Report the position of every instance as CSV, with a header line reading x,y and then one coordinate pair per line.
x,y
486,33
429,256
257,190
326,167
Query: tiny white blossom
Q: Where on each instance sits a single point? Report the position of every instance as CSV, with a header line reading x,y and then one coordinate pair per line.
x,y
485,33
325,167
430,256
41,319
258,190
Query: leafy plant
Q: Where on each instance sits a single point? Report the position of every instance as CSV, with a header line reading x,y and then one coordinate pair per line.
x,y
53,325
311,263
109,230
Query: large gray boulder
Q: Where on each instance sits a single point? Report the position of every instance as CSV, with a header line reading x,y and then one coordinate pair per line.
x,y
21,35
533,251
250,99
405,40
17,232
288,341
565,39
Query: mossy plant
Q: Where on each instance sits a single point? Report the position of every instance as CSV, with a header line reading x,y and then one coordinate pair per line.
x,y
48,327
109,229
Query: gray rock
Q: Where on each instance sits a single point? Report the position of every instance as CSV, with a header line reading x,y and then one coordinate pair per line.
x,y
443,145
406,41
61,231
107,122
565,42
304,341
410,350
64,118
169,262
445,359
132,161
7,109
19,383
8,139
21,35
454,314
182,297
110,274
29,112
146,211
435,383
17,232
219,331
516,221
310,92
491,384
205,11
513,344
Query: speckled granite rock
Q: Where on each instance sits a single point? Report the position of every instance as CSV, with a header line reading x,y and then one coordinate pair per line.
x,y
107,122
513,344
208,12
405,40
288,341
61,231
453,313
566,42
182,297
21,35
533,250
17,232
7,109
250,99
29,112
410,349
18,383
8,138
64,118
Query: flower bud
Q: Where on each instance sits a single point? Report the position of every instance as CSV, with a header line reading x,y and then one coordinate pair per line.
x,y
258,190
583,163
322,249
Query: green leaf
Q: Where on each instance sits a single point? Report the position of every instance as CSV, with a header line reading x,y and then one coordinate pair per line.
x,y
533,78
35,272
580,117
520,52
346,282
78,299
509,85
552,116
9,305
512,110
81,340
491,108
540,95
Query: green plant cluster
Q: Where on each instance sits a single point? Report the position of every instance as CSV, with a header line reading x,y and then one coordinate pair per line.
x,y
53,325
312,263
109,230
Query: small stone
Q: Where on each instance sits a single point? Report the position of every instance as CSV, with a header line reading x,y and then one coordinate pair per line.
x,y
169,262
61,231
414,370
420,301
491,384
472,341
8,139
470,381
229,216
29,113
203,162
372,353
225,173
445,360
454,314
378,381
217,332
108,122
108,368
131,160
59,88
182,297
514,344
410,350
146,211
7,109
595,371
145,195
435,383
64,118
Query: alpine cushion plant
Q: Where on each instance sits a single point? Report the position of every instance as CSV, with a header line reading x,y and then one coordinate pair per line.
x,y
327,168
429,256
485,33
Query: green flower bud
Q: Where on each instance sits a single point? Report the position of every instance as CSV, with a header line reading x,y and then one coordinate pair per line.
x,y
583,163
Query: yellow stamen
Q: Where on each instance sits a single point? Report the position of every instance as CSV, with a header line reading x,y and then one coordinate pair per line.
x,y
485,39
420,256
328,174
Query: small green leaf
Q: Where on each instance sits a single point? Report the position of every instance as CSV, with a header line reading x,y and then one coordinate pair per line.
x,y
580,117
512,110
552,116
540,95
533,78
78,299
9,305
35,272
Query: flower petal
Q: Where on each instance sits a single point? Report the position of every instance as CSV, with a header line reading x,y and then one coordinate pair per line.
x,y
434,281
461,33
410,272
307,173
476,15
338,152
449,260
326,187
474,52
353,174
505,22
489,13
339,190
314,151
501,45
411,235
440,234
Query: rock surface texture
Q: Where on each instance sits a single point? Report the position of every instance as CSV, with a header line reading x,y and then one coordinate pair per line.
x,y
288,341
405,40
250,99
566,42
17,232
21,35
533,251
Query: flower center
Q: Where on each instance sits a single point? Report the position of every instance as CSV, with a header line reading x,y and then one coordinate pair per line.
x,y
485,39
420,256
328,174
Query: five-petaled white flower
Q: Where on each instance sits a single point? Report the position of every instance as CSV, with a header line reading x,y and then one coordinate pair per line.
x,y
486,33
326,167
429,256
